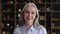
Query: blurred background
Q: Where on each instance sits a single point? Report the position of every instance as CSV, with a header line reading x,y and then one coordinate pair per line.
x,y
49,14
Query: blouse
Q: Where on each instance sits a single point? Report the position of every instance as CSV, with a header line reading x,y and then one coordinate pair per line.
x,y
32,30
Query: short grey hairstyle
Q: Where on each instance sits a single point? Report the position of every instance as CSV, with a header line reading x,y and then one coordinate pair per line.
x,y
36,21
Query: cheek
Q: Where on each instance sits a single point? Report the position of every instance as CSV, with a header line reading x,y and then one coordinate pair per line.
x,y
25,15
34,16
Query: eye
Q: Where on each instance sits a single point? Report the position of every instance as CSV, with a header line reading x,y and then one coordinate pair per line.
x,y
26,12
33,12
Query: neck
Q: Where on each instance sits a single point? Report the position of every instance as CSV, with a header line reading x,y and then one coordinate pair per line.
x,y
28,26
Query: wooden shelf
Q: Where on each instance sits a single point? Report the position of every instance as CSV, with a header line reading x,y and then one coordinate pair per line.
x,y
52,2
8,27
7,4
55,19
55,28
8,19
42,3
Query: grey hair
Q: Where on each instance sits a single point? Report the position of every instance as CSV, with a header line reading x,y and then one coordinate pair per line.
x,y
36,21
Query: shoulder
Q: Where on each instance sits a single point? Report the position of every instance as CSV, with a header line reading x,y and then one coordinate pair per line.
x,y
42,29
17,28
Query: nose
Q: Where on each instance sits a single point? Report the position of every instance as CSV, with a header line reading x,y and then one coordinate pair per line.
x,y
29,14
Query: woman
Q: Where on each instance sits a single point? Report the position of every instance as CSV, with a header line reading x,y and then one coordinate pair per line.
x,y
29,23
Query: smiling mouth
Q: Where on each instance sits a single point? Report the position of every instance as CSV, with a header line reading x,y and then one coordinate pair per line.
x,y
28,18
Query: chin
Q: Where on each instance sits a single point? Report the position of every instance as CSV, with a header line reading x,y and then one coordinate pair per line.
x,y
29,21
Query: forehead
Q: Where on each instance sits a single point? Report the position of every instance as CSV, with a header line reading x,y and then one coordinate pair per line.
x,y
30,8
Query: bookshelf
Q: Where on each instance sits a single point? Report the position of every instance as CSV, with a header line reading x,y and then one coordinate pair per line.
x,y
49,14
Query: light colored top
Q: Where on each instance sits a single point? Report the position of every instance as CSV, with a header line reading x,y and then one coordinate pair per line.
x,y
32,30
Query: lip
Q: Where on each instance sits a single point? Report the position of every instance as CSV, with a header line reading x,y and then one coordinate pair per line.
x,y
28,18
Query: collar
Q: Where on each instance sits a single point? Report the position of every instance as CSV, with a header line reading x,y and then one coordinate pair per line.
x,y
31,29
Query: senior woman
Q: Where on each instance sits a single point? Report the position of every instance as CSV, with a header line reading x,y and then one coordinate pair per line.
x,y
29,23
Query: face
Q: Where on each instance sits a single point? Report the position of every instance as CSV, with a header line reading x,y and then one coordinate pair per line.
x,y
29,14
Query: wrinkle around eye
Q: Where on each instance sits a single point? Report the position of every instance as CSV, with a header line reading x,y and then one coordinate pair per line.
x,y
32,12
26,11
